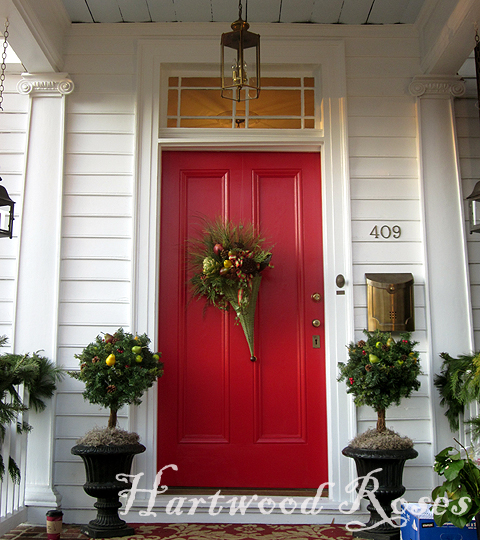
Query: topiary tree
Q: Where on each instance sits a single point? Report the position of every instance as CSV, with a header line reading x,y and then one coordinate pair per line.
x,y
117,369
381,371
39,376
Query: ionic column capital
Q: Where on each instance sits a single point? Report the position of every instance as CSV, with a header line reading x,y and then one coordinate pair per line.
x,y
439,86
45,84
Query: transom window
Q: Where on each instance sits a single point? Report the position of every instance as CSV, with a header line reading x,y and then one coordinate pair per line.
x,y
284,103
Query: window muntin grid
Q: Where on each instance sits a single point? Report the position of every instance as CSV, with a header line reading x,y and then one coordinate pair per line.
x,y
284,103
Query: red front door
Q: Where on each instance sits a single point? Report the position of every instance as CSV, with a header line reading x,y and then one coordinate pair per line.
x,y
223,420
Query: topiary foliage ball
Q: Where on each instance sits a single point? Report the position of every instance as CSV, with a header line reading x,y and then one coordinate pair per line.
x,y
381,370
117,369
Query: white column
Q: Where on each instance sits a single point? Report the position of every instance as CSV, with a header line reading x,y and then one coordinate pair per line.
x,y
447,288
39,263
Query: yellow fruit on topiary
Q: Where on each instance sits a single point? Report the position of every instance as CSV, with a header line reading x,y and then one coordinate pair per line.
x,y
110,361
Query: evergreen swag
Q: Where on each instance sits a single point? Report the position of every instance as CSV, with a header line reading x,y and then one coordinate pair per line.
x,y
459,385
39,376
381,371
226,263
117,369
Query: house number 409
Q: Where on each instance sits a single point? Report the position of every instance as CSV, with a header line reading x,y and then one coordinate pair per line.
x,y
385,231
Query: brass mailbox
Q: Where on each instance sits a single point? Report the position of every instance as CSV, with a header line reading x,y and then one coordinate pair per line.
x,y
390,302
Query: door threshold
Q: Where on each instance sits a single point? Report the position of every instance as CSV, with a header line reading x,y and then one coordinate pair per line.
x,y
261,492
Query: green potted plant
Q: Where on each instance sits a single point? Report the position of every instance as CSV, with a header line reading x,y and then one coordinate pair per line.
x,y
39,376
457,499
116,369
380,371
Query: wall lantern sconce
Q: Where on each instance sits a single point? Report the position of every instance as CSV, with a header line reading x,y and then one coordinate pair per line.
x,y
474,203
240,74
6,217
474,197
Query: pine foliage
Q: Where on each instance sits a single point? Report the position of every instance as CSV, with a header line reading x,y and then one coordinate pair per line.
x,y
39,376
459,385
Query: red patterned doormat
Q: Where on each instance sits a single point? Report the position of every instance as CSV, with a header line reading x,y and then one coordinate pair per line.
x,y
200,531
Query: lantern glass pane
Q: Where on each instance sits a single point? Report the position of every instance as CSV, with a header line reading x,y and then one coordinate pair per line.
x,y
4,219
475,215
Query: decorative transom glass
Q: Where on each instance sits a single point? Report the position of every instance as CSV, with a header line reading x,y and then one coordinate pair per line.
x,y
284,103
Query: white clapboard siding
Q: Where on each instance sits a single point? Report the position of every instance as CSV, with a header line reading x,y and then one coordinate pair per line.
x,y
97,229
384,189
468,135
13,126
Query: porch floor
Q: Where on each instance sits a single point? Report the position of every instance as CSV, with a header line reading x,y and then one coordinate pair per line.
x,y
198,531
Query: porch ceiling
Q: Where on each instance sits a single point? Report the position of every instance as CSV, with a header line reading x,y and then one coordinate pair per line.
x,y
259,11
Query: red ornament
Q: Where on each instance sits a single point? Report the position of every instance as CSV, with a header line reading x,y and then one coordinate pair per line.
x,y
217,249
364,353
351,380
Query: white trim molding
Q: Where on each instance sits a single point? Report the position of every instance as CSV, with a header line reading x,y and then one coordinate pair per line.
x,y
325,60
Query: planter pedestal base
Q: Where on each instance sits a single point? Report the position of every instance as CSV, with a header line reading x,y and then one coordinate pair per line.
x,y
102,464
390,463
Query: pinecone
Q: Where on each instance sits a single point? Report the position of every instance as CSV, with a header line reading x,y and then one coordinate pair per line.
x,y
361,343
249,266
368,367
95,359
111,388
224,254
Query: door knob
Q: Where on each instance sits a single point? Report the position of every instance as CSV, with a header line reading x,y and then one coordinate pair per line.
x,y
316,323
316,297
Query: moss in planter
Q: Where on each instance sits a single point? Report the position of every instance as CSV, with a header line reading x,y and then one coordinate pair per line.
x,y
108,437
384,440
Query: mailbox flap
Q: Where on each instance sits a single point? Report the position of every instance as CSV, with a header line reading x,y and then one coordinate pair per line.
x,y
390,282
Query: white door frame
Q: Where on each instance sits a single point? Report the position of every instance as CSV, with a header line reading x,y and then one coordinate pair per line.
x,y
155,57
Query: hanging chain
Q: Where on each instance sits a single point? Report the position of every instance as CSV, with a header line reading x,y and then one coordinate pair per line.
x,y
477,63
3,65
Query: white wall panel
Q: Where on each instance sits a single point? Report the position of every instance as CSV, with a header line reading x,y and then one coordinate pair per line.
x,y
13,126
86,289
120,84
468,133
380,126
101,183
398,106
103,123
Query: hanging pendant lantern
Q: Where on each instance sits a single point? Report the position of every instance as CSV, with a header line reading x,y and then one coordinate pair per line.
x,y
6,217
240,61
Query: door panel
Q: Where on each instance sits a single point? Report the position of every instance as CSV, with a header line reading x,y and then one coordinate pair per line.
x,y
225,421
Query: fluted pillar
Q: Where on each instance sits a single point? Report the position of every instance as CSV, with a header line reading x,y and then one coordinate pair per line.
x,y
40,221
449,315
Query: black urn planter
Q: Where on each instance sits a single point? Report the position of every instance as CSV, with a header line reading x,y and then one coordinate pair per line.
x,y
102,464
391,463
